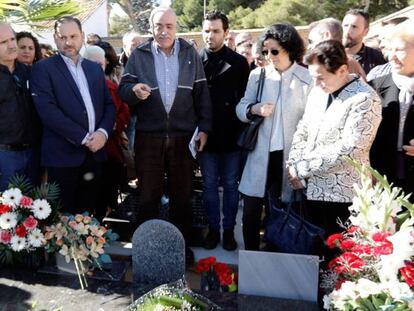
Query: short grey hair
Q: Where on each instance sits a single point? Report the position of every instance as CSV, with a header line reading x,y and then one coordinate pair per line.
x,y
331,25
93,51
158,10
129,35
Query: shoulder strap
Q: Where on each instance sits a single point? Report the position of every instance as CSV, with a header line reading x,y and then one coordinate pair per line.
x,y
260,85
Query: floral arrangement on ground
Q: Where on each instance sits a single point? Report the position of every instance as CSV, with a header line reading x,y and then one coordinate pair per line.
x,y
80,237
375,270
171,297
25,210
216,275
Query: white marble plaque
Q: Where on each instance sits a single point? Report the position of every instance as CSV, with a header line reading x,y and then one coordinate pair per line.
x,y
288,276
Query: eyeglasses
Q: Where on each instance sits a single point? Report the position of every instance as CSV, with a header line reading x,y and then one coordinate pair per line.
x,y
274,52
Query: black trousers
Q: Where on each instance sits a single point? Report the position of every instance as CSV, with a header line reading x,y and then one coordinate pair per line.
x,y
80,186
253,206
155,158
325,215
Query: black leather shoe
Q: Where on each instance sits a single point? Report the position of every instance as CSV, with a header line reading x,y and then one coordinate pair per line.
x,y
189,257
212,239
229,242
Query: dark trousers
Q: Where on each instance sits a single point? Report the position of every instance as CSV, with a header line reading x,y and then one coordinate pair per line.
x,y
325,215
156,157
80,186
253,206
114,177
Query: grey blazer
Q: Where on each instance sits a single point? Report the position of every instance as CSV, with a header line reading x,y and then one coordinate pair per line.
x,y
294,85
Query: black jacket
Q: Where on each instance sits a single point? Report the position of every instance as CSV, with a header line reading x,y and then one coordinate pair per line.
x,y
191,107
227,73
19,123
384,154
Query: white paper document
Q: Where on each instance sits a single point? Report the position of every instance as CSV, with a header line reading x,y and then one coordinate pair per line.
x,y
193,144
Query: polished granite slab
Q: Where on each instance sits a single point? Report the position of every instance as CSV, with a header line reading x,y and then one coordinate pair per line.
x,y
20,290
286,276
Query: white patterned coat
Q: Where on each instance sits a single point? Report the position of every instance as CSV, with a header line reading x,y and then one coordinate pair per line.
x,y
324,136
294,84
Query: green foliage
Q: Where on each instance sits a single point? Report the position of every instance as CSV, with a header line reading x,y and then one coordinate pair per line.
x,y
119,25
261,13
33,12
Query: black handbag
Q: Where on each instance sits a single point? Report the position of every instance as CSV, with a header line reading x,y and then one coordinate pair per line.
x,y
288,232
248,137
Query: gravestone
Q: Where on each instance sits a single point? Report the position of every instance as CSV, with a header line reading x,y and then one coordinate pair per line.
x,y
158,253
286,276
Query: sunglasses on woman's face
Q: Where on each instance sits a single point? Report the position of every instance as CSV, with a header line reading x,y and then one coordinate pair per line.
x,y
274,52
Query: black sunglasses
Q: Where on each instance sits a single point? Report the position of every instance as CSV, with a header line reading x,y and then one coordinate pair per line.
x,y
274,52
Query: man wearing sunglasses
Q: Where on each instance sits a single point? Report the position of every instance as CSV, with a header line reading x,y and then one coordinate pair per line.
x,y
227,73
19,126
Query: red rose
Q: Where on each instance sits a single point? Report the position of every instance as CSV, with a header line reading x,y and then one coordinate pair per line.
x,y
225,279
5,236
26,201
334,240
205,264
4,209
30,223
384,248
380,236
221,268
407,273
21,231
347,244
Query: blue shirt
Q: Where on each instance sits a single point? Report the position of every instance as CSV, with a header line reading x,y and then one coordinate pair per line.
x,y
78,75
167,70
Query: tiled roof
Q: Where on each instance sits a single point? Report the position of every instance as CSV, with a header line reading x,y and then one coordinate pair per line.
x,y
88,8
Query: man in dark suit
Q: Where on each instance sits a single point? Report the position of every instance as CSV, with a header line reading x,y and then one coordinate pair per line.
x,y
392,152
77,113
227,73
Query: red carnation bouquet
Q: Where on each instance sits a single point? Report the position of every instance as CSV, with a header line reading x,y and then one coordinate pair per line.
x,y
216,275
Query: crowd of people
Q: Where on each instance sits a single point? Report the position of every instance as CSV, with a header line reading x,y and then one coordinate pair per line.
x,y
67,118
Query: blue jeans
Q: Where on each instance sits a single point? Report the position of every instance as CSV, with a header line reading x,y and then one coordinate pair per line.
x,y
130,132
24,162
224,167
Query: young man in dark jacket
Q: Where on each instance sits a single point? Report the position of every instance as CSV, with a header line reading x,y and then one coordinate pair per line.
x,y
227,73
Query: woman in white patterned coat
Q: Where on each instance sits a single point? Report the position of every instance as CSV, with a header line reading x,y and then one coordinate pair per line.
x,y
341,119
282,105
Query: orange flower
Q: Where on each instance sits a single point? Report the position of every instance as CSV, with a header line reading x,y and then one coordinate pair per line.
x,y
79,217
101,240
89,240
59,242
